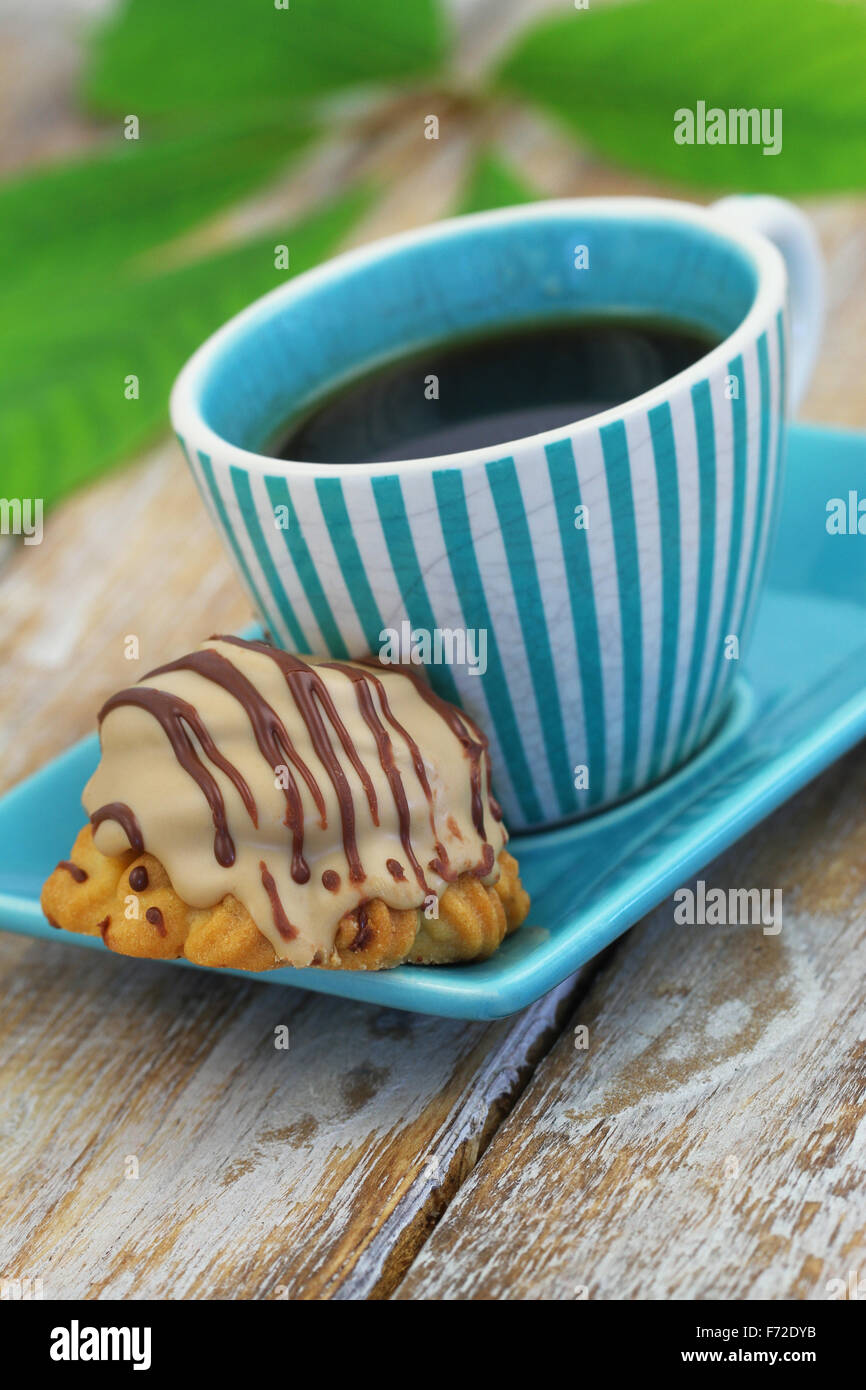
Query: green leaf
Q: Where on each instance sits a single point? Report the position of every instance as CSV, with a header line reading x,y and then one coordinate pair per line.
x,y
64,417
84,219
617,74
493,184
157,57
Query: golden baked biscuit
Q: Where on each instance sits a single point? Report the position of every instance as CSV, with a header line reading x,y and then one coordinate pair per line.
x,y
254,809
128,900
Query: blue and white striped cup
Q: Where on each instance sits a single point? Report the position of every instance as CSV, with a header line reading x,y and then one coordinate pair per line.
x,y
609,569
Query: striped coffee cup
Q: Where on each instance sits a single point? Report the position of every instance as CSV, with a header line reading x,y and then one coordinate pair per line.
x,y
586,594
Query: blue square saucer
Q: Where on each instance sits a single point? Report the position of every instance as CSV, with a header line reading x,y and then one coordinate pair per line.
x,y
800,703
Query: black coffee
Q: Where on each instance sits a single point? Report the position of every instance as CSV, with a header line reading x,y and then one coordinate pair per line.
x,y
472,393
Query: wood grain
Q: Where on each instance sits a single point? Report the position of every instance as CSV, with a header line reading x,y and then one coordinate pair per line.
x,y
134,556
308,1172
706,1143
710,1142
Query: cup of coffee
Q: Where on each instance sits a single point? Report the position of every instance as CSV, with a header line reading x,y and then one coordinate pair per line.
x,y
538,451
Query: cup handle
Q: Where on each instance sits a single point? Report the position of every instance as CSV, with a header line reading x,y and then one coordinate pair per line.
x,y
792,232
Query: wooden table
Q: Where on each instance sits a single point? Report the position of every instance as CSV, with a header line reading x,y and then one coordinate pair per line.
x,y
155,1143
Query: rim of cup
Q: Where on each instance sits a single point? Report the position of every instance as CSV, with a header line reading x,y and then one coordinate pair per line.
x,y
185,403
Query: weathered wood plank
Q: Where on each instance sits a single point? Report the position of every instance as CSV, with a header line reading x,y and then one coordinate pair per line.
x,y
318,1172
311,1172
133,556
711,1140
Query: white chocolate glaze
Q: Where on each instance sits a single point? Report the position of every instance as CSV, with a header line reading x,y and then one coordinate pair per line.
x,y
303,787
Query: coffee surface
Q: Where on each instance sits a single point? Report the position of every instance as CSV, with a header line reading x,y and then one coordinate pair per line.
x,y
480,392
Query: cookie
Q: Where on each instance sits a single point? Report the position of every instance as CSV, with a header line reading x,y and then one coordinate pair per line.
x,y
254,809
129,901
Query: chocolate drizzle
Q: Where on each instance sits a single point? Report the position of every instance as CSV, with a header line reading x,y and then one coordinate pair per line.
x,y
281,921
270,735
414,753
473,742
468,735
488,859
385,750
156,919
364,935
173,713
125,817
309,690
323,731
74,870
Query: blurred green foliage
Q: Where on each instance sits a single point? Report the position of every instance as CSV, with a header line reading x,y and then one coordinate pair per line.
x,y
229,92
615,75
91,219
159,57
65,416
493,184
